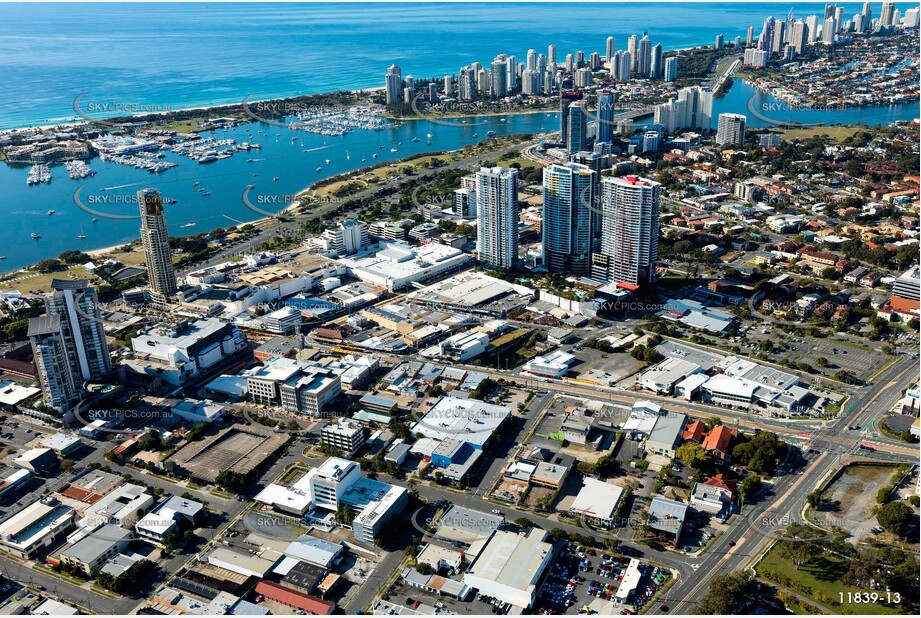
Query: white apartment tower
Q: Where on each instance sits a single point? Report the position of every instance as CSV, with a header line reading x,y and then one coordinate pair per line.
x,y
393,83
629,230
497,216
730,129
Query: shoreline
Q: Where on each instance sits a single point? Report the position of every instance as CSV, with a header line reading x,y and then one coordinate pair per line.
x,y
212,106
70,123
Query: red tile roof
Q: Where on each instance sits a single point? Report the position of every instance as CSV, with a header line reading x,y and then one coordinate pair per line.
x,y
722,482
718,440
695,431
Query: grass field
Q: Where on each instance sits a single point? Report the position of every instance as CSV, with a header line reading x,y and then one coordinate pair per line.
x,y
384,172
821,577
836,134
31,281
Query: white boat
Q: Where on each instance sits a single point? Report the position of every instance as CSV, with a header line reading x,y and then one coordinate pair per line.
x,y
275,178
51,212
319,169
490,134
2,257
374,155
36,236
188,225
393,150
81,235
417,139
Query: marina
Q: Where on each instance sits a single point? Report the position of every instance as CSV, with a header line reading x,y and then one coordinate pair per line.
x,y
78,169
39,174
285,170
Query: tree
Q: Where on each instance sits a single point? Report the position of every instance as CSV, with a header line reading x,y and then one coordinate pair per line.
x,y
49,266
814,499
727,594
750,486
74,257
848,377
343,515
230,480
424,568
894,517
713,421
693,455
821,362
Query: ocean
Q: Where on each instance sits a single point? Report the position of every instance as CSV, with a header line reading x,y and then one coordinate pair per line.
x,y
174,56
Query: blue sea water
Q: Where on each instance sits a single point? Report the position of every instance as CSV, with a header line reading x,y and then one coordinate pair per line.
x,y
176,55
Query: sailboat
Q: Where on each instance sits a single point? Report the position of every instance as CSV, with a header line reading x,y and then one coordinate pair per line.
x,y
348,157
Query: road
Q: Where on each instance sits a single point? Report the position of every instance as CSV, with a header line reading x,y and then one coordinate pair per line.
x,y
734,550
12,569
280,228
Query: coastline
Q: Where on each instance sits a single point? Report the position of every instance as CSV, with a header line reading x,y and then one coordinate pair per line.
x,y
71,124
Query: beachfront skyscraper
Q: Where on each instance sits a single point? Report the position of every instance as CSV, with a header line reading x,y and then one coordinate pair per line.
x,y
498,85
497,217
730,129
620,66
799,36
605,122
629,230
671,69
812,29
393,85
656,66
551,54
577,127
644,63
779,36
828,31
887,13
632,50
766,39
566,226
466,84
609,48
567,98
155,239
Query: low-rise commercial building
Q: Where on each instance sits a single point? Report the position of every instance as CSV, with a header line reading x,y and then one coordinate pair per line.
x,y
181,351
598,502
96,548
511,566
346,436
666,434
123,506
37,527
396,266
198,411
667,516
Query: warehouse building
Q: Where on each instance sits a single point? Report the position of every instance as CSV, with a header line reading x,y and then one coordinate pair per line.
x,y
510,567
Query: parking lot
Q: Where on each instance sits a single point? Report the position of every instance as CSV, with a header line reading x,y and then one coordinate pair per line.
x,y
587,580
